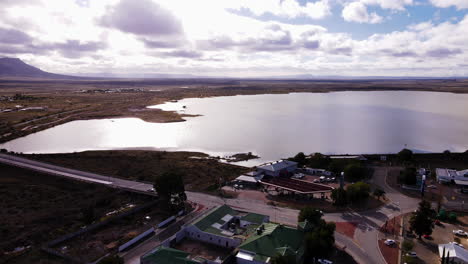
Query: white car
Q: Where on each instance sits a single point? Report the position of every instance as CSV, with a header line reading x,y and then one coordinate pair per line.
x,y
460,233
412,254
431,186
324,261
150,190
389,242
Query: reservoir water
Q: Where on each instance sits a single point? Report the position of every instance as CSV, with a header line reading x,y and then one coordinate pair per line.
x,y
278,126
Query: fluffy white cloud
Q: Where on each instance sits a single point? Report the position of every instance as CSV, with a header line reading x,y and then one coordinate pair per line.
x,y
460,4
287,8
389,4
357,12
64,37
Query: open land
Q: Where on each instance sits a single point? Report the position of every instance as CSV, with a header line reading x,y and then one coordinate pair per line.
x,y
200,174
43,103
37,208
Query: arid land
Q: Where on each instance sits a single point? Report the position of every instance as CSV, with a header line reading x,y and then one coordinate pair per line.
x,y
42,103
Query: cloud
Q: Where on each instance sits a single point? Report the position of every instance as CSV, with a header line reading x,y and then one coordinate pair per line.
x,y
357,12
76,48
459,4
192,54
287,8
443,52
142,17
13,36
389,4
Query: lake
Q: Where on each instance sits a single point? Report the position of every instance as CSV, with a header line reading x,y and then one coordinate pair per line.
x,y
277,126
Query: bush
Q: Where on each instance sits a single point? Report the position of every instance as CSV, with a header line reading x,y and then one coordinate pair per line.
x,y
405,155
408,176
452,217
358,192
409,260
442,215
407,245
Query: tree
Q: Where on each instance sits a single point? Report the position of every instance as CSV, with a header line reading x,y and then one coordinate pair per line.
x,y
354,172
339,197
115,259
405,155
300,158
422,221
358,192
319,160
310,214
379,193
171,190
408,176
320,242
280,259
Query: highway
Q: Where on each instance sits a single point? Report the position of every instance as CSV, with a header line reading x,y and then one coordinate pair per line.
x,y
362,247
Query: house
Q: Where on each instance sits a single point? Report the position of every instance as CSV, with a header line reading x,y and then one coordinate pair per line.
x,y
456,253
278,168
252,178
460,178
222,226
165,255
270,240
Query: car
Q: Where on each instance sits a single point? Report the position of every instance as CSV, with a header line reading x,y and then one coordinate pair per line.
x,y
151,190
460,233
322,179
316,180
437,222
412,254
432,187
324,261
458,244
389,242
427,236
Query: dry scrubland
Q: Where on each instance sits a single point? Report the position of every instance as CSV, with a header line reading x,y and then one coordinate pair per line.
x,y
198,174
38,208
67,100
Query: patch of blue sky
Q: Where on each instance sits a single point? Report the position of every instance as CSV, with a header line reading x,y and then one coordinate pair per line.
x,y
393,20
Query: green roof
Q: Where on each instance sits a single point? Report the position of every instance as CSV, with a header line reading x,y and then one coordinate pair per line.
x,y
253,218
165,255
273,240
214,216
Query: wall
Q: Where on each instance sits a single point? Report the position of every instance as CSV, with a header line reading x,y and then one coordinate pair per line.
x,y
194,233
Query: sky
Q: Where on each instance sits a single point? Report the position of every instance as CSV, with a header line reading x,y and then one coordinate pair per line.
x,y
239,38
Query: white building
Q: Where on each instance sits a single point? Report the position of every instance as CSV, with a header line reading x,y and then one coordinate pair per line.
x,y
278,168
456,253
221,226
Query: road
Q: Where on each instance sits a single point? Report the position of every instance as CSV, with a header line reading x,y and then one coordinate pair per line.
x,y
363,246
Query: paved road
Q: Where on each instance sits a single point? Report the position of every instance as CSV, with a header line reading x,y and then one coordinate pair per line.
x,y
363,247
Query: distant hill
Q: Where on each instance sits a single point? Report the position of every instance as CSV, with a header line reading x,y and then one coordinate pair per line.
x,y
14,67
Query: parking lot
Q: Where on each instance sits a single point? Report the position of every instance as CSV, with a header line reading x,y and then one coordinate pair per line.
x,y
427,248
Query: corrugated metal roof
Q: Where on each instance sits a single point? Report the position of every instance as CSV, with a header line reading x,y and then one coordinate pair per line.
x,y
278,165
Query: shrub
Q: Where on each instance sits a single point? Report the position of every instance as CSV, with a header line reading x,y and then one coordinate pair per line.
x,y
452,217
407,245
442,215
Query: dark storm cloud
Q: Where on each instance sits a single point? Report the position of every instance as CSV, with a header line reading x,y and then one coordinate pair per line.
x,y
142,17
443,52
13,36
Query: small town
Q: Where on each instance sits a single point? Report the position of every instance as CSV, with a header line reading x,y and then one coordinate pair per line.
x,y
344,209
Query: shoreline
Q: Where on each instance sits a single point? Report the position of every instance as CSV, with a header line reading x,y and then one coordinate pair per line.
x,y
136,106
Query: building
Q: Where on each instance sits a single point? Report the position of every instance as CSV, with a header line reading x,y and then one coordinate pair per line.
x,y
252,179
460,178
222,226
356,157
456,253
278,168
270,240
165,255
